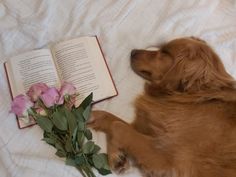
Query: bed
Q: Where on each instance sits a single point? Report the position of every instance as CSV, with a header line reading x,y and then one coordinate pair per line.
x,y
120,26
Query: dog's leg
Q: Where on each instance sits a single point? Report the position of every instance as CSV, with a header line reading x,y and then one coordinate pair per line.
x,y
146,127
142,125
124,137
141,147
101,120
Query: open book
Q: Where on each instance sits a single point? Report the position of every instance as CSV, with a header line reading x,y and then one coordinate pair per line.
x,y
79,61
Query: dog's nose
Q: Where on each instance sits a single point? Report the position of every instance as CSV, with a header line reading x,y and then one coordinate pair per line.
x,y
133,53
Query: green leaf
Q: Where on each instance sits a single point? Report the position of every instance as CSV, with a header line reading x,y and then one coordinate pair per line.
x,y
71,121
98,161
60,153
59,132
80,137
57,137
90,159
50,140
104,172
46,134
59,120
106,165
60,149
101,161
87,101
59,146
79,159
88,147
81,126
68,145
70,162
96,149
78,112
87,112
45,124
88,134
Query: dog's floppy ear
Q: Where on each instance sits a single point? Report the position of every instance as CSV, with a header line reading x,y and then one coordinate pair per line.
x,y
197,67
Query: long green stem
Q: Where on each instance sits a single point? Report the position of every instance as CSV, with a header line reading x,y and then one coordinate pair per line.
x,y
81,171
88,167
88,171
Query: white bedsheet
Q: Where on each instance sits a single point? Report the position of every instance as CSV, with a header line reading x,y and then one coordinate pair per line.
x,y
120,26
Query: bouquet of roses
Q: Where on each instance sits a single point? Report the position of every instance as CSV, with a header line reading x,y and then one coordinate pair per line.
x,y
64,125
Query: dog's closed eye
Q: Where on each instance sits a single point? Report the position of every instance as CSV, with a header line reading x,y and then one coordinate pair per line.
x,y
165,51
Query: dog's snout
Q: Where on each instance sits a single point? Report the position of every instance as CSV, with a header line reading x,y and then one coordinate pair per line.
x,y
133,53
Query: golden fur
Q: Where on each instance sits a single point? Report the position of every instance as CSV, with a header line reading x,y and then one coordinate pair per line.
x,y
185,123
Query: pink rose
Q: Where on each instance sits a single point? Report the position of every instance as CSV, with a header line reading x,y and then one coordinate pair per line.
x,y
20,105
66,89
50,97
36,90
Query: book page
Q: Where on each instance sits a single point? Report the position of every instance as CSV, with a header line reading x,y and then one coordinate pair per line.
x,y
80,62
30,68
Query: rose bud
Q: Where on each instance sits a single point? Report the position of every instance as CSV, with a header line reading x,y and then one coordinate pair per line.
x,y
66,89
41,111
36,90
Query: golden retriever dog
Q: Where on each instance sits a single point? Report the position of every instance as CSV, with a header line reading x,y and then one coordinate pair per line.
x,y
185,124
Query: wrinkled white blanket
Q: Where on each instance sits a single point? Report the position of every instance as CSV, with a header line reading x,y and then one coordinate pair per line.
x,y
120,26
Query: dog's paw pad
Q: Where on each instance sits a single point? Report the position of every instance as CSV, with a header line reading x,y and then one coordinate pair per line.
x,y
119,162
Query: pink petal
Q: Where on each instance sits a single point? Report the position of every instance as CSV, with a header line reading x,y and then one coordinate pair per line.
x,y
50,97
20,105
67,89
36,90
61,100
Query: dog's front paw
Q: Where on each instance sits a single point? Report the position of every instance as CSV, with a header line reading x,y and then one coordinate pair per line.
x,y
119,162
101,121
113,127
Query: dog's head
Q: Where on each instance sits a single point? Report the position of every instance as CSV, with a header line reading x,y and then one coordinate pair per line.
x,y
183,65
